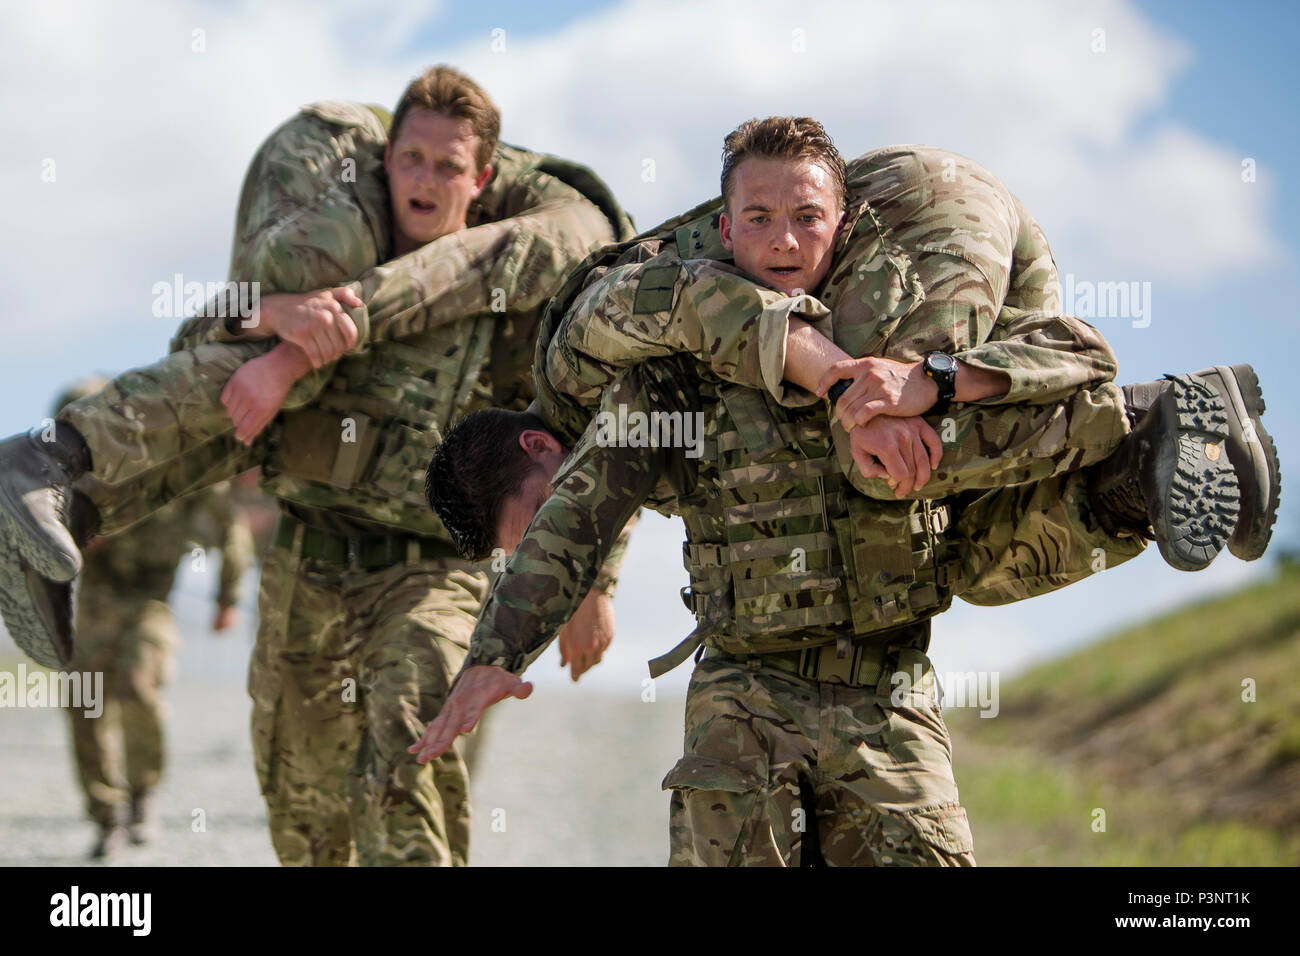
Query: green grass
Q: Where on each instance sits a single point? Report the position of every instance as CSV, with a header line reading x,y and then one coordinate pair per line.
x,y
1150,726
1028,810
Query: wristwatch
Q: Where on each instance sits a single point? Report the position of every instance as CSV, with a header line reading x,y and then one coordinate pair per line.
x,y
941,367
839,388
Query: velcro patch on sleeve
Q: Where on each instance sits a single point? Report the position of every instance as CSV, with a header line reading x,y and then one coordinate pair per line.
x,y
656,290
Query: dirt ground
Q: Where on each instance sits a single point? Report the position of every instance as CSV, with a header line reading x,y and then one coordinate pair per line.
x,y
547,790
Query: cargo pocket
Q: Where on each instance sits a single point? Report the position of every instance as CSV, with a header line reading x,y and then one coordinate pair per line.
x,y
715,805
945,830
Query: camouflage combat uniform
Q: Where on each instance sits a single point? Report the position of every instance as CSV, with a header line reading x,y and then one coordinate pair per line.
x,y
365,608
812,596
126,631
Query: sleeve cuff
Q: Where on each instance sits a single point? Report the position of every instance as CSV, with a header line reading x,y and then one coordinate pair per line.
x,y
361,319
1026,386
773,330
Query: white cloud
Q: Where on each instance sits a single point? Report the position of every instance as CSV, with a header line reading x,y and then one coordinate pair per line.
x,y
1017,86
151,138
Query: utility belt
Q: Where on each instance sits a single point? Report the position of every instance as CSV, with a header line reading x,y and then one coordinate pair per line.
x,y
859,662
367,552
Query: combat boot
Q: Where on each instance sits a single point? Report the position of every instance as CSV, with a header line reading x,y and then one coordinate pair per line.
x,y
1250,449
111,841
143,826
40,531
38,612
1171,480
36,479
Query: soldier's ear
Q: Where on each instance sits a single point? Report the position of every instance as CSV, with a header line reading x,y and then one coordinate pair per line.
x,y
481,180
538,443
724,230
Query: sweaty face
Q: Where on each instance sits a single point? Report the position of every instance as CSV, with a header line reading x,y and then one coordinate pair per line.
x,y
781,222
432,177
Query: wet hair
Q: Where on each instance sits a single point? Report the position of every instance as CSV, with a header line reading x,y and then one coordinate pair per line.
x,y
782,137
450,92
478,465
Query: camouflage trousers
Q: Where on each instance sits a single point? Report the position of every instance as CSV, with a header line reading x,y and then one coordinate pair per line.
x,y
782,770
160,432
349,668
1026,540
129,639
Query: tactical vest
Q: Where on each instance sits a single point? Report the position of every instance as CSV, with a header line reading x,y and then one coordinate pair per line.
x,y
787,554
371,432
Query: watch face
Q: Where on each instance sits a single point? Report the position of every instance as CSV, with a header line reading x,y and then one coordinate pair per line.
x,y
942,362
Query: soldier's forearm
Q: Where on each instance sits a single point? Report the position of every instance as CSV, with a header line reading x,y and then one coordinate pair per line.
x,y
975,384
514,265
992,446
808,355
1045,357
1059,413
739,329
237,549
289,361
607,580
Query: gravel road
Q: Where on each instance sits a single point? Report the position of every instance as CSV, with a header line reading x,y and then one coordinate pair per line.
x,y
548,791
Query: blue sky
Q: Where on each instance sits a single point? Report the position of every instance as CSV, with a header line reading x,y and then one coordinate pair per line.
x,y
1128,156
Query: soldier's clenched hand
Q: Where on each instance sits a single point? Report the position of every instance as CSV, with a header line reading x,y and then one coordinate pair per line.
x,y
314,321
880,386
258,388
904,450
477,689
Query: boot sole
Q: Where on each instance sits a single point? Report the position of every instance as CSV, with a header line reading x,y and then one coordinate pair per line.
x,y
46,560
1256,460
1198,507
23,620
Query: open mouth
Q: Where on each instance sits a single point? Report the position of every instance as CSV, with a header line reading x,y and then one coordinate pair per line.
x,y
420,206
783,270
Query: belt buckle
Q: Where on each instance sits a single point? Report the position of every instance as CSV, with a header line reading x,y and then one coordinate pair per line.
x,y
832,667
938,519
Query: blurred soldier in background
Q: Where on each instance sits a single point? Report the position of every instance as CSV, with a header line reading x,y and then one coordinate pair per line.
x,y
127,633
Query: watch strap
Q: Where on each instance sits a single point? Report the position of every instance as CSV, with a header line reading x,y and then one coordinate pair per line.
x,y
945,379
